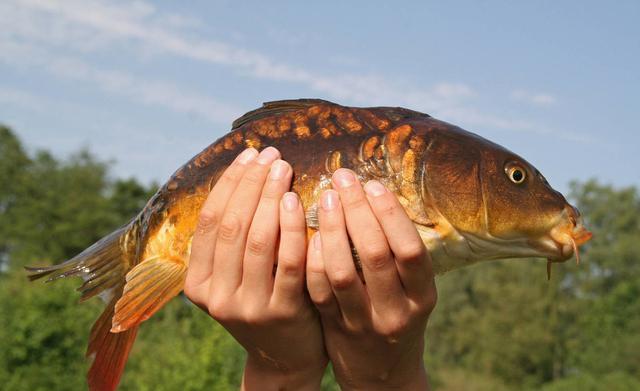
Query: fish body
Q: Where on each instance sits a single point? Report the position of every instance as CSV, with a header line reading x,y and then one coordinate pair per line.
x,y
470,199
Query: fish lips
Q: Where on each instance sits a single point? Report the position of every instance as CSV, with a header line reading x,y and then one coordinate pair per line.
x,y
562,243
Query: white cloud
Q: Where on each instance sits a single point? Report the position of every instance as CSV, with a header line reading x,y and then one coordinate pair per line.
x,y
537,99
22,99
76,27
143,24
162,94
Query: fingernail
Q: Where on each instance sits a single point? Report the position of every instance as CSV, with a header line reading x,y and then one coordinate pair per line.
x,y
268,155
278,169
247,155
290,201
375,188
344,178
317,241
329,200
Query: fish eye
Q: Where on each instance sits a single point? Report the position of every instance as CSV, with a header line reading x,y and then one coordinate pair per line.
x,y
516,174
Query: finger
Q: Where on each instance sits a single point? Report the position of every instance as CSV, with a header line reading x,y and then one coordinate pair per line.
x,y
204,237
412,259
235,222
259,256
378,266
317,282
289,281
338,262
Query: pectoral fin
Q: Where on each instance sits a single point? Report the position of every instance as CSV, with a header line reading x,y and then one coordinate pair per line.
x,y
150,285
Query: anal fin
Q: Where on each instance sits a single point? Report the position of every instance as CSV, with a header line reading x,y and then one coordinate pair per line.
x,y
150,285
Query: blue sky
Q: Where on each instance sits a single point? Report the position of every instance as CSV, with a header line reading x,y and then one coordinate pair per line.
x,y
151,84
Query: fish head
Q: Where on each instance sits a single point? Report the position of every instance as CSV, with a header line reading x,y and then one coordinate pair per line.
x,y
496,203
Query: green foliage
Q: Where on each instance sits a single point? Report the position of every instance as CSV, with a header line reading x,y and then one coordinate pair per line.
x,y
498,326
504,320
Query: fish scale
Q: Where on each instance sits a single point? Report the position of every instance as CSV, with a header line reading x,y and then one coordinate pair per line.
x,y
454,185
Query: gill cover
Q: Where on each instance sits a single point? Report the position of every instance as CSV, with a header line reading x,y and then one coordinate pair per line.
x,y
452,181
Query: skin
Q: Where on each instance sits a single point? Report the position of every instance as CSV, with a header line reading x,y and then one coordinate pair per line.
x,y
374,332
454,185
230,277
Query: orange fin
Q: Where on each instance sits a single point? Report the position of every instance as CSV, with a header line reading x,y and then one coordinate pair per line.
x,y
150,285
109,352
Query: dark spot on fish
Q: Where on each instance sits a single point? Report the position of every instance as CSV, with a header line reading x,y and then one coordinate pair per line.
x,y
417,144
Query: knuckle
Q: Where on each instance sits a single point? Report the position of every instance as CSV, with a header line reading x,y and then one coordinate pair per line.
x,y
316,268
322,300
375,256
353,328
290,266
190,292
332,226
218,311
342,279
254,176
394,327
208,220
272,192
431,300
230,227
258,243
254,316
292,227
386,207
426,304
411,252
229,176
354,201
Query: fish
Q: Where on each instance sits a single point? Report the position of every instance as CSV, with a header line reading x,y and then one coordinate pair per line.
x,y
470,200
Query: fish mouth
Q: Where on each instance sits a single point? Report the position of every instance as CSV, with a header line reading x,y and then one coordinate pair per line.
x,y
564,240
561,244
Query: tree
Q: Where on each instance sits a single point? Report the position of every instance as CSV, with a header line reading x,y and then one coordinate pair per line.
x,y
497,326
501,323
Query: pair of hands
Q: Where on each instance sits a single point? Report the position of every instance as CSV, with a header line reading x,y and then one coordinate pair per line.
x,y
373,333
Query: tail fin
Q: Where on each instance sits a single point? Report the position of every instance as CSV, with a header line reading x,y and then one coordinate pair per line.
x,y
103,267
109,351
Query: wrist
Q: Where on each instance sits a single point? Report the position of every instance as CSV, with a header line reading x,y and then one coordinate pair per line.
x,y
413,382
407,373
261,374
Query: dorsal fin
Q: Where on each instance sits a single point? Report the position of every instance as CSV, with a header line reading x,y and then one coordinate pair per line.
x,y
277,107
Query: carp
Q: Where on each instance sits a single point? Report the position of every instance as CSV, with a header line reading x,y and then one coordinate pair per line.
x,y
469,198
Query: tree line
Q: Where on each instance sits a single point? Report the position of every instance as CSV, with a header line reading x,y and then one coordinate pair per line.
x,y
498,325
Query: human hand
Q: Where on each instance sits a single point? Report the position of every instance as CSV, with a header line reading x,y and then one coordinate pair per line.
x,y
374,333
230,273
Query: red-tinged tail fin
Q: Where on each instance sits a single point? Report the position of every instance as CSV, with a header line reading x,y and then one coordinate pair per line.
x,y
150,285
102,266
109,351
